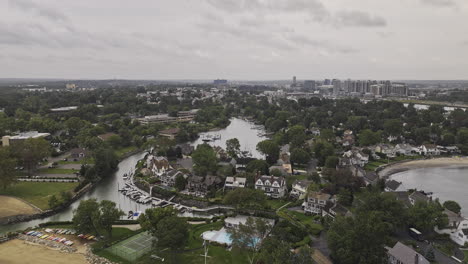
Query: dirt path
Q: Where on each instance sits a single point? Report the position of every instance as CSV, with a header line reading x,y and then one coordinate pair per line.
x,y
19,252
10,206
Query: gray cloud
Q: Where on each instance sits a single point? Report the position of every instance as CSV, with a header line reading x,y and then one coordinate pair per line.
x,y
359,19
441,3
39,9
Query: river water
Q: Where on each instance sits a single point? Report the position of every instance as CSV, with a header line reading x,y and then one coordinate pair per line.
x,y
447,183
245,131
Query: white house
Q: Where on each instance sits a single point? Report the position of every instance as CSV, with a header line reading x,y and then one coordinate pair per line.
x,y
274,187
428,150
356,157
405,149
316,202
235,182
457,228
299,189
158,165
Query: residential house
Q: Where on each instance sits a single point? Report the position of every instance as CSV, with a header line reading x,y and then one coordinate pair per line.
x,y
169,177
457,228
428,150
394,186
315,202
79,153
354,157
418,196
157,165
221,154
315,131
371,178
235,182
170,133
274,187
299,189
402,254
385,149
405,149
199,185
280,168
336,210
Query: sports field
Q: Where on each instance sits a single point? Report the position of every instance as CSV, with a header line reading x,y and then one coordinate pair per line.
x,y
133,247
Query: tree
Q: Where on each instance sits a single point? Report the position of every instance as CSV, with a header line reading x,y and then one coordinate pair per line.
x,y
303,256
233,147
426,215
31,151
7,168
331,162
296,136
368,137
393,127
247,237
322,150
360,239
300,156
257,166
430,254
109,213
270,149
180,182
105,162
204,160
53,202
275,251
452,206
245,198
86,217
345,197
393,211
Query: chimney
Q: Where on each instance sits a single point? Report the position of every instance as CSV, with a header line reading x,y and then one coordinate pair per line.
x,y
416,259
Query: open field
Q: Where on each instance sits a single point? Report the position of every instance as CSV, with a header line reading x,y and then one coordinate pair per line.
x,y
37,193
19,252
10,206
426,163
57,171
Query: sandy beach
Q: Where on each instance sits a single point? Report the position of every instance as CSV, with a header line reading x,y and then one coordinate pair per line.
x,y
10,206
426,163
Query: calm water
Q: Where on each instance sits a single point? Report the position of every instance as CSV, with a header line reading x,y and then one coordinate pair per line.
x,y
447,183
246,132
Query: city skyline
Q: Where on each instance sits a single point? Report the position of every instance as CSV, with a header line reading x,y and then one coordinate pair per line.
x,y
236,40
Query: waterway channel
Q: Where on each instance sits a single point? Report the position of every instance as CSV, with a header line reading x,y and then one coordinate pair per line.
x,y
247,133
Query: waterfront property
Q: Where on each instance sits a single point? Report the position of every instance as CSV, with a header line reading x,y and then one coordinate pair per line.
x,y
234,182
299,189
274,187
316,202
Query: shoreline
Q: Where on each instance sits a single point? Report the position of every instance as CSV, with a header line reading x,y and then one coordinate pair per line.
x,y
393,168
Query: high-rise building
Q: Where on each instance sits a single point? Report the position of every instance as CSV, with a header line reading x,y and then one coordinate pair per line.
x,y
327,82
294,81
336,86
309,85
220,81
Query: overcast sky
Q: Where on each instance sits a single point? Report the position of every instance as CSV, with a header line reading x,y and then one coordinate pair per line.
x,y
234,39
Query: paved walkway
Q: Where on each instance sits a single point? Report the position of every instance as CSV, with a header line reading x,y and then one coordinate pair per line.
x,y
134,227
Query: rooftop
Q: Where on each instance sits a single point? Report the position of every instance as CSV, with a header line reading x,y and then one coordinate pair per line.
x,y
406,254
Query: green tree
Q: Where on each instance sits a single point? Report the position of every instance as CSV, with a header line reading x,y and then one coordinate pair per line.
x,y
275,251
393,211
368,137
393,127
322,150
105,162
360,239
452,206
7,167
255,166
109,213
245,198
53,202
233,147
180,182
296,136
345,197
247,237
31,151
300,156
331,162
270,149
426,215
204,160
86,217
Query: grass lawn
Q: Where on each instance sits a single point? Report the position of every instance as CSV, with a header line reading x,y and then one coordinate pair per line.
x,y
306,221
121,152
57,171
88,160
466,254
38,193
276,203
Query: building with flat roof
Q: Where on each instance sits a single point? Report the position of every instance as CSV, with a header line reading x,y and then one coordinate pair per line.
x,y
8,140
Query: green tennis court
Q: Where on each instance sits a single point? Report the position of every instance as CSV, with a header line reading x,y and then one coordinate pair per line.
x,y
133,247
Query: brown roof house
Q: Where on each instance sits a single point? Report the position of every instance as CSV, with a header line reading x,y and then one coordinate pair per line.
x,y
79,153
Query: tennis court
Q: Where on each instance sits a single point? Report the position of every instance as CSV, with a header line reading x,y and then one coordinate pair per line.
x,y
133,247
